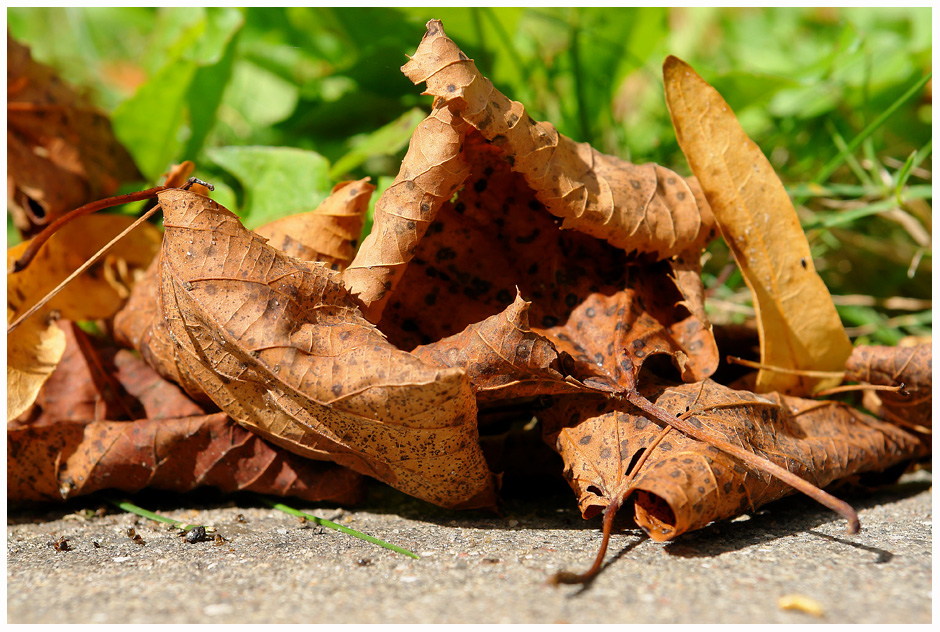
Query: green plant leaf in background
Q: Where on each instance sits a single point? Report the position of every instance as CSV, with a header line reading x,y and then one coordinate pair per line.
x,y
277,181
153,124
388,140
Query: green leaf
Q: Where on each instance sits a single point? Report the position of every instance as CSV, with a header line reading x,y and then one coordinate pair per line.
x,y
261,97
219,26
204,97
150,123
388,140
278,181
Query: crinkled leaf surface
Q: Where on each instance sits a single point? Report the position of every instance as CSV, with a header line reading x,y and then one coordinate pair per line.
x,y
646,208
685,484
893,366
281,346
605,311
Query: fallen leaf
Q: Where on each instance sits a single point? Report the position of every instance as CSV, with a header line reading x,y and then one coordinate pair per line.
x,y
72,458
894,366
798,323
685,483
35,347
330,233
604,310
281,346
61,152
646,208
65,449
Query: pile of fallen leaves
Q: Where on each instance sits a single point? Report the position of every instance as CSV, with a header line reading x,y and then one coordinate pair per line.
x,y
508,268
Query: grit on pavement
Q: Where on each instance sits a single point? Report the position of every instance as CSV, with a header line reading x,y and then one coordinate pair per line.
x,y
790,562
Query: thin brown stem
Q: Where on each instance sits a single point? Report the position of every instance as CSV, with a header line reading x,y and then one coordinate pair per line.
x,y
616,502
32,310
847,388
758,463
39,240
565,577
778,369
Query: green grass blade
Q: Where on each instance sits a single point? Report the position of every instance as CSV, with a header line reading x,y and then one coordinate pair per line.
x,y
332,525
913,161
830,167
140,511
903,175
842,146
838,218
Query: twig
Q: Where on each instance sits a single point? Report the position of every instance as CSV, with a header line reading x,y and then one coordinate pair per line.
x,y
32,310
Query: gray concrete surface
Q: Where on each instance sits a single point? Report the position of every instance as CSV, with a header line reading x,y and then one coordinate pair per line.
x,y
474,567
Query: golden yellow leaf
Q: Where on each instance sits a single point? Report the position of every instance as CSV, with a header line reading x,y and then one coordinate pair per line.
x,y
35,347
33,351
797,321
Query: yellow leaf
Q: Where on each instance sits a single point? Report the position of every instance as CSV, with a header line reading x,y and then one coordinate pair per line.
x,y
797,321
35,347
33,351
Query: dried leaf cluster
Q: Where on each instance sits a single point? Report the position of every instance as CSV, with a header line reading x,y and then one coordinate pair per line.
x,y
508,266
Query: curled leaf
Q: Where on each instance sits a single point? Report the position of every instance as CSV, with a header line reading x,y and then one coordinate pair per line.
x,y
431,172
646,208
330,233
894,366
686,484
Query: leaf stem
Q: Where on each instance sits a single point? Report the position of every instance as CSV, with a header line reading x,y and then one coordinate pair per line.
x,y
776,369
332,525
39,240
759,463
88,263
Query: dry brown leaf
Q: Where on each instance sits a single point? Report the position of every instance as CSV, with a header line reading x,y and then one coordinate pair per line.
x,y
282,347
431,172
894,366
330,233
798,323
686,484
61,151
646,208
33,349
605,311
73,458
73,444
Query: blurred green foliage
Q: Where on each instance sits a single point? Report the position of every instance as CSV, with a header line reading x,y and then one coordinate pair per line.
x,y
276,105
